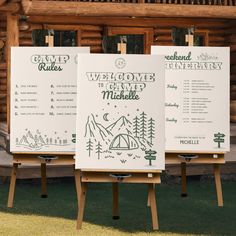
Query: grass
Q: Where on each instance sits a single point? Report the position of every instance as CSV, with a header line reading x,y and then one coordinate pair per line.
x,y
198,214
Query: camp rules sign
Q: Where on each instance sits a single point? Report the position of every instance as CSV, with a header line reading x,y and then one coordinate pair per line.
x,y
120,115
43,98
197,98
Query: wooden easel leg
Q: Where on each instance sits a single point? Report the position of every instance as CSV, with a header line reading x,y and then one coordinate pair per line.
x,y
44,180
183,180
218,185
12,185
78,185
81,205
115,207
148,200
153,205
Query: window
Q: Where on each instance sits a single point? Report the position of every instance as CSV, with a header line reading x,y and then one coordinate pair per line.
x,y
200,36
134,43
135,40
60,37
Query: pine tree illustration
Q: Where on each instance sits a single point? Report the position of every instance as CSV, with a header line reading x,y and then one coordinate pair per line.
x,y
151,129
143,125
89,146
136,126
98,149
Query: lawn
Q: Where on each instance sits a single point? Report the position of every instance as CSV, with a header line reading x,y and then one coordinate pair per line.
x,y
198,214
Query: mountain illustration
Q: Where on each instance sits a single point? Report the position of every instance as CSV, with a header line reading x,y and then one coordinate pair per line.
x,y
96,131
122,125
39,140
29,140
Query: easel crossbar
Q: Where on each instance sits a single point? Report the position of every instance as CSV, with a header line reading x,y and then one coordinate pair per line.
x,y
103,177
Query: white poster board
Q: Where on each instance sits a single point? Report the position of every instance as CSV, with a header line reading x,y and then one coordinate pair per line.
x,y
43,98
120,115
197,98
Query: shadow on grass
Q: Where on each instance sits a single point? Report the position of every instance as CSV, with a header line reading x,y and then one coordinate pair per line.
x,y
196,214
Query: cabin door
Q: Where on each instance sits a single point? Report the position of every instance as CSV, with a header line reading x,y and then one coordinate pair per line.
x,y
127,40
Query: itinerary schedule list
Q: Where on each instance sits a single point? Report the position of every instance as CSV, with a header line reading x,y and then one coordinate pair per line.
x,y
197,98
43,99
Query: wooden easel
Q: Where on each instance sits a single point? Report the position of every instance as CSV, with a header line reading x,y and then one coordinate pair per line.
x,y
216,159
83,177
32,159
203,158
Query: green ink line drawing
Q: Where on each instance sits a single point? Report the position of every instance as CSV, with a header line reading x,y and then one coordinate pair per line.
x,y
121,135
151,130
89,147
98,149
105,116
219,138
73,138
136,126
150,156
143,125
123,161
123,142
120,126
96,130
109,156
37,141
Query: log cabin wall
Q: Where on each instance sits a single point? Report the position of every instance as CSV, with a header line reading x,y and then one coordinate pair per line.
x,y
3,70
90,33
91,36
231,41
92,28
214,31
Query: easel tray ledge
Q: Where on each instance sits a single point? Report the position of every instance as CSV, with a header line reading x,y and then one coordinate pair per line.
x,y
120,171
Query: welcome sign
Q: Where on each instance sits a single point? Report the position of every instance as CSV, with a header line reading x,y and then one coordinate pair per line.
x,y
120,112
43,98
197,98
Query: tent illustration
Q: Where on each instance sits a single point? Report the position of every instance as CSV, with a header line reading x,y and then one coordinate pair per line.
x,y
123,142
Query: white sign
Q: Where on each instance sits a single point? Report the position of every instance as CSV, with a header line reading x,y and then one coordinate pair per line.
x,y
197,98
43,98
120,115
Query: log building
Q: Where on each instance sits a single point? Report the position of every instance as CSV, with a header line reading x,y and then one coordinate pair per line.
x,y
102,24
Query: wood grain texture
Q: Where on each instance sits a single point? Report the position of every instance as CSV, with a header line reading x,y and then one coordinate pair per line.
x,y
12,40
126,10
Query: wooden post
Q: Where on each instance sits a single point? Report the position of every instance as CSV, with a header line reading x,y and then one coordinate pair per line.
x,y
183,180
189,39
49,39
78,185
81,205
12,40
44,180
218,185
115,207
153,206
12,185
121,47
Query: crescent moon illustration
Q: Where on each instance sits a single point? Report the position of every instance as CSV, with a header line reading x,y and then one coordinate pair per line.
x,y
105,116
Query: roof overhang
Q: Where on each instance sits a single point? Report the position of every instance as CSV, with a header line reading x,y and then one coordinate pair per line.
x,y
9,7
65,8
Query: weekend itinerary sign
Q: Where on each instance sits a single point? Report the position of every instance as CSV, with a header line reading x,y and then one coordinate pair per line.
x,y
43,98
120,112
197,98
